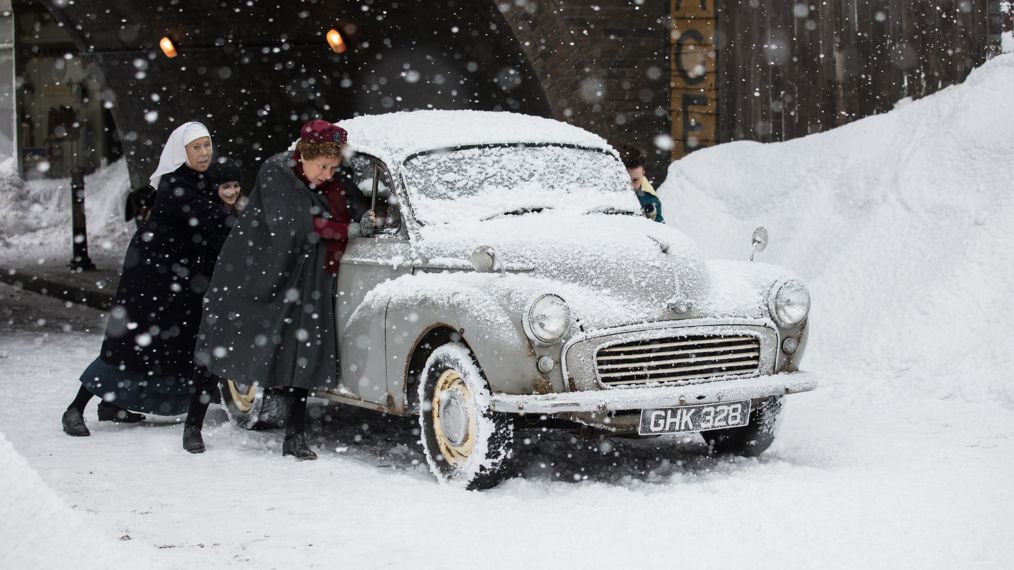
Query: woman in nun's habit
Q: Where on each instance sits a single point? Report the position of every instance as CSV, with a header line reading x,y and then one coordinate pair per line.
x,y
146,361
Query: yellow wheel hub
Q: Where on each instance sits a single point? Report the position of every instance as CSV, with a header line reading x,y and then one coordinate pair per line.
x,y
242,395
454,420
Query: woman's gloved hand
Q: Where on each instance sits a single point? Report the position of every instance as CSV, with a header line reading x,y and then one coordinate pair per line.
x,y
367,225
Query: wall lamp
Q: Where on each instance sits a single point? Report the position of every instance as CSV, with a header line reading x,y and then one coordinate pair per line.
x,y
167,47
335,40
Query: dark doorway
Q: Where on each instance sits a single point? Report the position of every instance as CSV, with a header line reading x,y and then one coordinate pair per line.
x,y
62,120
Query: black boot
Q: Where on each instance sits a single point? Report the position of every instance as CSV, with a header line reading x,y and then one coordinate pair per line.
x,y
196,410
110,413
74,423
192,440
296,446
295,426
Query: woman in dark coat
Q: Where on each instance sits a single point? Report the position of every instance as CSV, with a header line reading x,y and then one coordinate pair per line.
x,y
146,361
269,318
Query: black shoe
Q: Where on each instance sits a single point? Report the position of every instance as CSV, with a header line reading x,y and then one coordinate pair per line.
x,y
192,440
74,423
110,413
296,446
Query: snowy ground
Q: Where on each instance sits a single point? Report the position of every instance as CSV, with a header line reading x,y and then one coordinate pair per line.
x,y
893,481
902,224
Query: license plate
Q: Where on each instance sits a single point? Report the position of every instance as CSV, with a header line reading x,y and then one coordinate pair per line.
x,y
694,418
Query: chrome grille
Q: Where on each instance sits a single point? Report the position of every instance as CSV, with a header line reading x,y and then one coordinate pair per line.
x,y
676,359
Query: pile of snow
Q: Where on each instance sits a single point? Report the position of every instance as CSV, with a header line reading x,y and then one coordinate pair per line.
x,y
35,216
903,226
39,530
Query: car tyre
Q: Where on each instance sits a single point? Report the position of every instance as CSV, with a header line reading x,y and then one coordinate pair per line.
x,y
467,444
752,439
252,407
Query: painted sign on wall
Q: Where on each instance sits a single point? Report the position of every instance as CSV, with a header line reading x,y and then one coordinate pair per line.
x,y
694,97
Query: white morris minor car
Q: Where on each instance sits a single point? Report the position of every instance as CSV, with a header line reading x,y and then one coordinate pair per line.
x,y
512,274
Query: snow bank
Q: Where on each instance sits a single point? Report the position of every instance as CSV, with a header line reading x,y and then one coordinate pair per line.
x,y
903,226
35,216
38,530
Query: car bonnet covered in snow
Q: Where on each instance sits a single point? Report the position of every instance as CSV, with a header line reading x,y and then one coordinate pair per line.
x,y
612,269
393,137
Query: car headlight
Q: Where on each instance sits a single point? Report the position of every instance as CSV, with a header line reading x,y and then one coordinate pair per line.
x,y
547,319
789,302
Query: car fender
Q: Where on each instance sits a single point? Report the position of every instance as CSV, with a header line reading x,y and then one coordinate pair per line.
x,y
473,308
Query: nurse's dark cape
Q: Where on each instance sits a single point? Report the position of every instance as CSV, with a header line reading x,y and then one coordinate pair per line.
x,y
269,313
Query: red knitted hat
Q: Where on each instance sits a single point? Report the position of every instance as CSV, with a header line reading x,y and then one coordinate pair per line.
x,y
318,131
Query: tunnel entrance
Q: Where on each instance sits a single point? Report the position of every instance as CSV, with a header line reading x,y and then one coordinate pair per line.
x,y
254,71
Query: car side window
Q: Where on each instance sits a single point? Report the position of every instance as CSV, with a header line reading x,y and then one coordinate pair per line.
x,y
374,181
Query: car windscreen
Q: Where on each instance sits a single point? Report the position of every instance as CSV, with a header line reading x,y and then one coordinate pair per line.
x,y
487,182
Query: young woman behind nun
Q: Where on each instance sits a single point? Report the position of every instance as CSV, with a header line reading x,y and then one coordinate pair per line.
x,y
146,361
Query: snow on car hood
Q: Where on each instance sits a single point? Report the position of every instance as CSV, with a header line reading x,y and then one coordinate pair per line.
x,y
624,260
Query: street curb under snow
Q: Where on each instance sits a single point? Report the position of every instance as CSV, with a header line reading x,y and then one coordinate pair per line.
x,y
53,288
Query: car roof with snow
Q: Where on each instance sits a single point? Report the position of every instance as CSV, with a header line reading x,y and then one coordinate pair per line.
x,y
393,137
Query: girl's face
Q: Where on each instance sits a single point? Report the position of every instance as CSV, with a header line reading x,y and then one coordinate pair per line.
x,y
199,154
229,192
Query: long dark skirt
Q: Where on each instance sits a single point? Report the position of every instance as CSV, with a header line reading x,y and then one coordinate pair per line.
x,y
137,391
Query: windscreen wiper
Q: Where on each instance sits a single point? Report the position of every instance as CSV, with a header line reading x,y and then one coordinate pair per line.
x,y
517,212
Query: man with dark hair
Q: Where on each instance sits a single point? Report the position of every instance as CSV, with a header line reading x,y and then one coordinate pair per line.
x,y
634,160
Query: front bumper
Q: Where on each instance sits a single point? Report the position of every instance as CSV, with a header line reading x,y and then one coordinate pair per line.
x,y
619,399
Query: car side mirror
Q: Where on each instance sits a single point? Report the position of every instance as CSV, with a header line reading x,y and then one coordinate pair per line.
x,y
759,240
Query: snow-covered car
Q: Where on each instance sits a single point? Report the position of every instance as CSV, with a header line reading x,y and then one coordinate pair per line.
x,y
513,275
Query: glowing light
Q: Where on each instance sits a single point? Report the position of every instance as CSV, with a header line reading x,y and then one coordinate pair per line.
x,y
334,39
167,47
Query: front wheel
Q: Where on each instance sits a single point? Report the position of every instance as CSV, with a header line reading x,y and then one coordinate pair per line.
x,y
467,444
252,407
752,439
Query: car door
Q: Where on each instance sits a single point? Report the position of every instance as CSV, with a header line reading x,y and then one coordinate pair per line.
x,y
368,262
